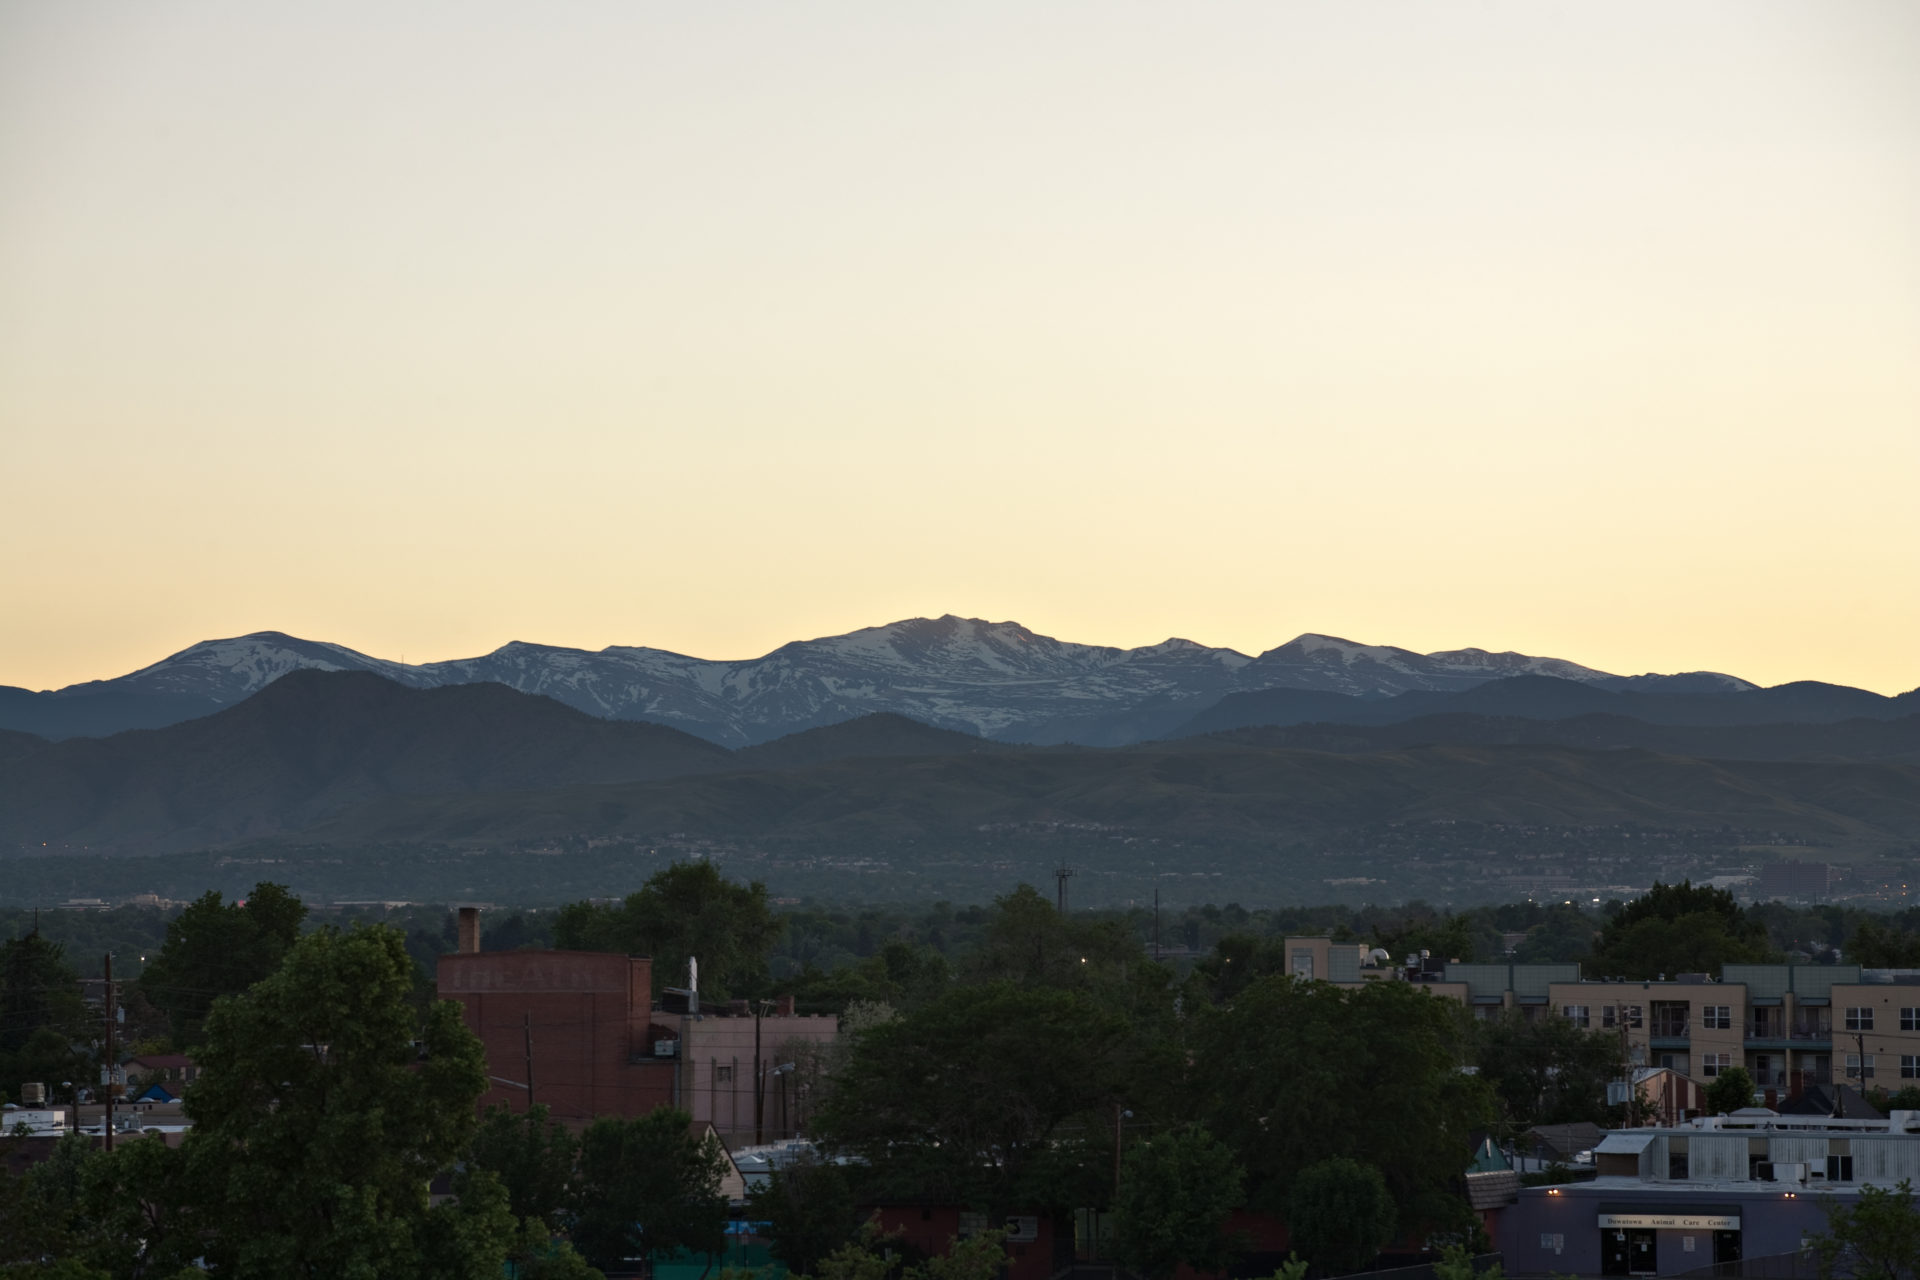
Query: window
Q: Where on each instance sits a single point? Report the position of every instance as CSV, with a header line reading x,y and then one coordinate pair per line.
x,y
1622,1015
1839,1168
723,1075
1856,1070
1909,1067
1676,1159
1910,1019
1717,1017
1576,1014
1860,1018
1712,1064
1303,964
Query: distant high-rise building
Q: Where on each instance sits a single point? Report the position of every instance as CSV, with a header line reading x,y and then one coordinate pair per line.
x,y
1804,880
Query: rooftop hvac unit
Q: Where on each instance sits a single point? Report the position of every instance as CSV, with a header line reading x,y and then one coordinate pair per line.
x,y
665,1048
1778,1172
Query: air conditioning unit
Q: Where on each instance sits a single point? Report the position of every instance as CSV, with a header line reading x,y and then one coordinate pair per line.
x,y
1796,1172
665,1048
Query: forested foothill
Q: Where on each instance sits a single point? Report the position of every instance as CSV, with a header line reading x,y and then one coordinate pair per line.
x,y
1008,1058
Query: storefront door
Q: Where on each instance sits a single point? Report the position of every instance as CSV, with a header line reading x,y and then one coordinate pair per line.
x,y
1626,1252
1726,1246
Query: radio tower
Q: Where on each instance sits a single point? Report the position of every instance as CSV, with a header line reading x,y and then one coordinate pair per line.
x,y
1061,874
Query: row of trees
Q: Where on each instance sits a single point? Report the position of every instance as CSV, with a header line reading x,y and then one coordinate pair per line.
x,y
1015,1075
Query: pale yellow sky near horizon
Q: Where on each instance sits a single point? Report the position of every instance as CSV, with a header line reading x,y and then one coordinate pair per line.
x,y
1584,330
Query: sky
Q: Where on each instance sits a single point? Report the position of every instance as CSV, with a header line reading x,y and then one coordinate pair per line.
x,y
1590,330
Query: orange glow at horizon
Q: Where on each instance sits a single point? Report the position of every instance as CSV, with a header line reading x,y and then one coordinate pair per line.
x,y
1591,332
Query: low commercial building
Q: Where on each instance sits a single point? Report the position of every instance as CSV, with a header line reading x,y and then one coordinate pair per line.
x,y
580,1032
1717,1190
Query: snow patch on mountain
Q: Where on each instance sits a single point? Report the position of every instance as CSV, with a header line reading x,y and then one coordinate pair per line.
x,y
997,679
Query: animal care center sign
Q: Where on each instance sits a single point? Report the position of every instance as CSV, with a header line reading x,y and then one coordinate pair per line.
x,y
1673,1221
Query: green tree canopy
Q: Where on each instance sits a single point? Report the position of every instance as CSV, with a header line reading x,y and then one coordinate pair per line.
x,y
1729,1091
649,1184
1339,1215
1875,1238
685,910
534,1158
322,1112
1294,1072
899,974
1877,946
1546,1070
1678,928
1176,1191
41,1015
809,1210
215,948
966,1098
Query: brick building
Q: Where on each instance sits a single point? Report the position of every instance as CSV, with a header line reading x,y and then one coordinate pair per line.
x,y
579,1023
583,1029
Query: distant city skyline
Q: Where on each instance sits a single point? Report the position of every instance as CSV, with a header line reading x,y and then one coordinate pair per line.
x,y
1582,331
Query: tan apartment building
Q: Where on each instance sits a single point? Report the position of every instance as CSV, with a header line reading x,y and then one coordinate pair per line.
x,y
1821,1023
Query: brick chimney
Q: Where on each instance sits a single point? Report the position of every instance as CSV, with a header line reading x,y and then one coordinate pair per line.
x,y
469,930
783,1007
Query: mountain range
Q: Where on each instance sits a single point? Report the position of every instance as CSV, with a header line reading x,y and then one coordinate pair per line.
x,y
995,680
353,758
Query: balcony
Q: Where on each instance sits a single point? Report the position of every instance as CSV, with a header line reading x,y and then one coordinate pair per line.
x,y
1668,1032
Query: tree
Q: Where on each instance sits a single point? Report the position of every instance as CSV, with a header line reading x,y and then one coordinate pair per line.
x,y
1546,1070
687,910
534,1158
965,1098
41,1013
809,1210
1175,1194
323,1111
1729,1091
1339,1215
37,1222
1877,1238
1238,961
215,949
1876,946
649,1185
1294,1072
1678,928
899,974
1457,1264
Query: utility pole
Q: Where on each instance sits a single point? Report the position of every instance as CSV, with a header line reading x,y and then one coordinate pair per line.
x,y
1119,1119
759,1083
108,1126
1156,924
527,1027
